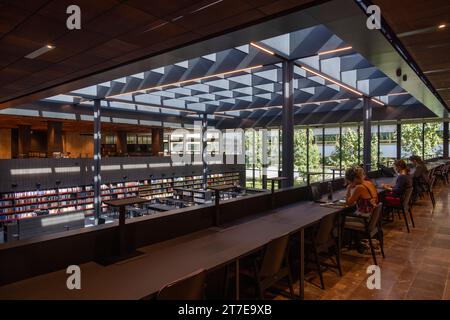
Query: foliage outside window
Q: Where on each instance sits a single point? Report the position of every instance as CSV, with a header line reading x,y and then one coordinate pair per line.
x,y
412,140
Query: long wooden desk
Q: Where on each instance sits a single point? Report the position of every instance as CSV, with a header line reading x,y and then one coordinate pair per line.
x,y
164,262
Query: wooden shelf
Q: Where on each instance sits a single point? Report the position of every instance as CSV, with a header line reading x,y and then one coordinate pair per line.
x,y
121,190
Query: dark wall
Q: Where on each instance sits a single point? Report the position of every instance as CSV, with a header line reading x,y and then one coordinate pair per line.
x,y
38,141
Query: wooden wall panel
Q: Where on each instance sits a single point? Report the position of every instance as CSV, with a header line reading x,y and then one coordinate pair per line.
x,y
5,143
79,146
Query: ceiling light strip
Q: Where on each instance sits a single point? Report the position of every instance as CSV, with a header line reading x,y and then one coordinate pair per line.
x,y
262,48
335,50
377,101
397,94
185,81
331,80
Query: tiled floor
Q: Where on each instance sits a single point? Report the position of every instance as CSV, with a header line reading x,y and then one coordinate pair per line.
x,y
417,265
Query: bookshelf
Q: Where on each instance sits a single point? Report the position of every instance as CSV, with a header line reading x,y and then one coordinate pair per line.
x,y
19,205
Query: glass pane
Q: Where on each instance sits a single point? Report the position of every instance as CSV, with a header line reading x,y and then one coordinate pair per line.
x,y
388,144
411,140
434,140
249,157
272,154
315,154
331,146
300,157
374,146
349,150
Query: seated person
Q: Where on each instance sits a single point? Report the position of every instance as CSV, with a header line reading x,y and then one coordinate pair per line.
x,y
394,194
420,174
360,190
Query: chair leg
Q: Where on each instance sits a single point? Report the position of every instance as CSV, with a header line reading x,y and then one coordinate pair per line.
x,y
260,289
227,281
291,282
406,220
411,216
433,201
381,240
372,249
258,284
319,269
338,260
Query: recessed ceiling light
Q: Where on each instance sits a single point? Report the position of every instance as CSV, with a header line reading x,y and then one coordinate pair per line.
x,y
442,26
40,51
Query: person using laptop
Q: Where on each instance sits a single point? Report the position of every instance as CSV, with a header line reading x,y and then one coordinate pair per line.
x,y
404,181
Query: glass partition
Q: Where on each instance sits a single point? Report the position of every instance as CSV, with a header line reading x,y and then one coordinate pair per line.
x,y
433,144
411,140
388,144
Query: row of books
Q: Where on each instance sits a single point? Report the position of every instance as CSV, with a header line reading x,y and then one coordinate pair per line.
x,y
81,197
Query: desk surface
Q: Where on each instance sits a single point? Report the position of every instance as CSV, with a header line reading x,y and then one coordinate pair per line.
x,y
125,202
166,261
161,207
222,188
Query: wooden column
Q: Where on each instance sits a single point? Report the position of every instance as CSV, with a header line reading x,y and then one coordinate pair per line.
x,y
24,139
157,141
121,142
54,137
446,141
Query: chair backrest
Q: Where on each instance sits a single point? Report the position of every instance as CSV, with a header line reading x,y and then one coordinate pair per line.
x,y
325,229
407,198
274,254
432,181
430,174
190,287
375,217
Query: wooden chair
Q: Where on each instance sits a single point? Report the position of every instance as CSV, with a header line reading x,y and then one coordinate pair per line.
x,y
191,287
405,206
267,267
369,226
322,241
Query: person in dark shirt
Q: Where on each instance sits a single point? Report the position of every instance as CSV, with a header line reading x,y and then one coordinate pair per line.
x,y
395,193
420,174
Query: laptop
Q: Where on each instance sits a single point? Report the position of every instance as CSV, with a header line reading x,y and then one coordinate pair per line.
x,y
315,193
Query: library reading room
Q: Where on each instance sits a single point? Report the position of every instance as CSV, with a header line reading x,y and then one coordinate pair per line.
x,y
224,150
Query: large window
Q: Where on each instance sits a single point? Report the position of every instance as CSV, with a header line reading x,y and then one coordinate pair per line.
x,y
321,151
332,143
316,158
273,144
388,144
250,155
375,151
350,151
433,140
411,140
300,156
